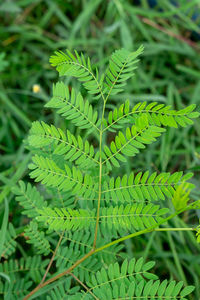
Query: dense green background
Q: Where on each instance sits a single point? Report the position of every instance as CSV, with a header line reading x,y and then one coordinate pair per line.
x,y
169,72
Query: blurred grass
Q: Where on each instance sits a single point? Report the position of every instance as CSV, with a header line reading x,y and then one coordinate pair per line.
x,y
169,72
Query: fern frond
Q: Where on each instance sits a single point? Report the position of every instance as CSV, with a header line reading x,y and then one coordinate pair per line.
x,y
157,114
60,198
181,197
79,240
114,276
37,238
73,172
46,171
117,118
136,216
130,217
72,107
9,245
63,290
133,281
66,219
32,266
143,186
30,198
22,273
69,64
16,289
130,144
72,148
121,68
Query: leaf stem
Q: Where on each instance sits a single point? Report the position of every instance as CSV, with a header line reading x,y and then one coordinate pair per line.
x,y
174,229
99,196
100,176
52,259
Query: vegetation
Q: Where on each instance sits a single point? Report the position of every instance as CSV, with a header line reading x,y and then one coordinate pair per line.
x,y
90,137
84,200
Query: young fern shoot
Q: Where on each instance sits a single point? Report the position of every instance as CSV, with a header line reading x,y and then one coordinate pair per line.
x,y
90,207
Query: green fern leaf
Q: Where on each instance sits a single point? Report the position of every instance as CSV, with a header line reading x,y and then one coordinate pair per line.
x,y
136,216
121,68
16,289
46,171
144,187
130,144
69,64
157,114
30,198
63,290
66,219
79,187
73,149
9,245
61,198
106,282
37,238
181,197
34,266
133,281
130,217
72,107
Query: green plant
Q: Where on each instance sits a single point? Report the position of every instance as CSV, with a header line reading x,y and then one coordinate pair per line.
x,y
91,211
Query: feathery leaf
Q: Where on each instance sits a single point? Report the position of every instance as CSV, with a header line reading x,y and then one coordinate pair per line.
x,y
37,238
157,114
46,171
135,216
10,243
143,186
121,68
72,107
130,144
30,198
67,145
69,64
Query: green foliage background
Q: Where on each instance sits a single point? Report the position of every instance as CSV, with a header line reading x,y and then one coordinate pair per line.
x,y
169,73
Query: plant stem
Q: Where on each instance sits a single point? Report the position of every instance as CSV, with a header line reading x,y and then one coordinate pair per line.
x,y
52,259
99,196
175,229
100,176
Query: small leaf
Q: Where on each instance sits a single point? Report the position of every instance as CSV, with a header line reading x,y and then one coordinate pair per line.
x,y
187,290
